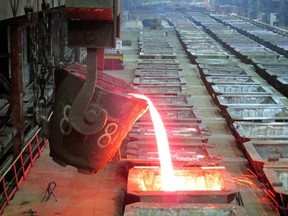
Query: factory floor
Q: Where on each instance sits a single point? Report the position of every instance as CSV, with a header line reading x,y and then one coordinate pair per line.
x,y
104,193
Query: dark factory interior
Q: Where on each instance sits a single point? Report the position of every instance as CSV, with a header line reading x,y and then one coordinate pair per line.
x,y
144,107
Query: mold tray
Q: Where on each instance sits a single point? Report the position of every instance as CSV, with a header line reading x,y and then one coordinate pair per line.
x,y
257,113
159,67
248,100
173,209
256,130
142,153
180,100
177,114
158,61
226,194
241,89
158,73
266,153
245,80
161,89
224,72
158,80
178,132
278,184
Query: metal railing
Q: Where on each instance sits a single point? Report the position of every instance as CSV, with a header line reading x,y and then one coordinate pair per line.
x,y
18,170
264,25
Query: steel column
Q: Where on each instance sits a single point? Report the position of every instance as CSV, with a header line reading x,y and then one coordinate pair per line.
x,y
17,87
283,17
77,54
55,35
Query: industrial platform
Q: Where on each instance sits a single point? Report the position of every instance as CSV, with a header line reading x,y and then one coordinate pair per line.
x,y
104,193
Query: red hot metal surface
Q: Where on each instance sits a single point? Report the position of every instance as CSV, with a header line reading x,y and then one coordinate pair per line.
x,y
216,185
103,14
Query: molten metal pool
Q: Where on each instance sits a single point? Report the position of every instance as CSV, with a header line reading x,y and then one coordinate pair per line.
x,y
166,184
205,184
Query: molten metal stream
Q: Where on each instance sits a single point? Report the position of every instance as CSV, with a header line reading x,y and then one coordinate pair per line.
x,y
167,172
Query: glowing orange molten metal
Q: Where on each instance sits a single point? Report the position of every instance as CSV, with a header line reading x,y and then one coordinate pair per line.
x,y
185,180
167,173
167,179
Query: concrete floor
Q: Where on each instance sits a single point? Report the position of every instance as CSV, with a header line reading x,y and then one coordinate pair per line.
x,y
104,193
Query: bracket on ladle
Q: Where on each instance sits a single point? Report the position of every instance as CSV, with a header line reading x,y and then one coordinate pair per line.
x,y
84,117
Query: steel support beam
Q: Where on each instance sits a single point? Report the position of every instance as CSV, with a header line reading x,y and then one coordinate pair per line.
x,y
17,87
77,54
283,17
55,33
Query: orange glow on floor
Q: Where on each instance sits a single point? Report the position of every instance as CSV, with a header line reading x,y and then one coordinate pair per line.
x,y
167,173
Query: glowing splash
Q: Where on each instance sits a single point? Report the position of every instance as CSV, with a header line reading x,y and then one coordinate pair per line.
x,y
167,172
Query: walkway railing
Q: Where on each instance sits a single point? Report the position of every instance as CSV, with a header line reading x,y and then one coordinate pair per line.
x,y
264,25
18,170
